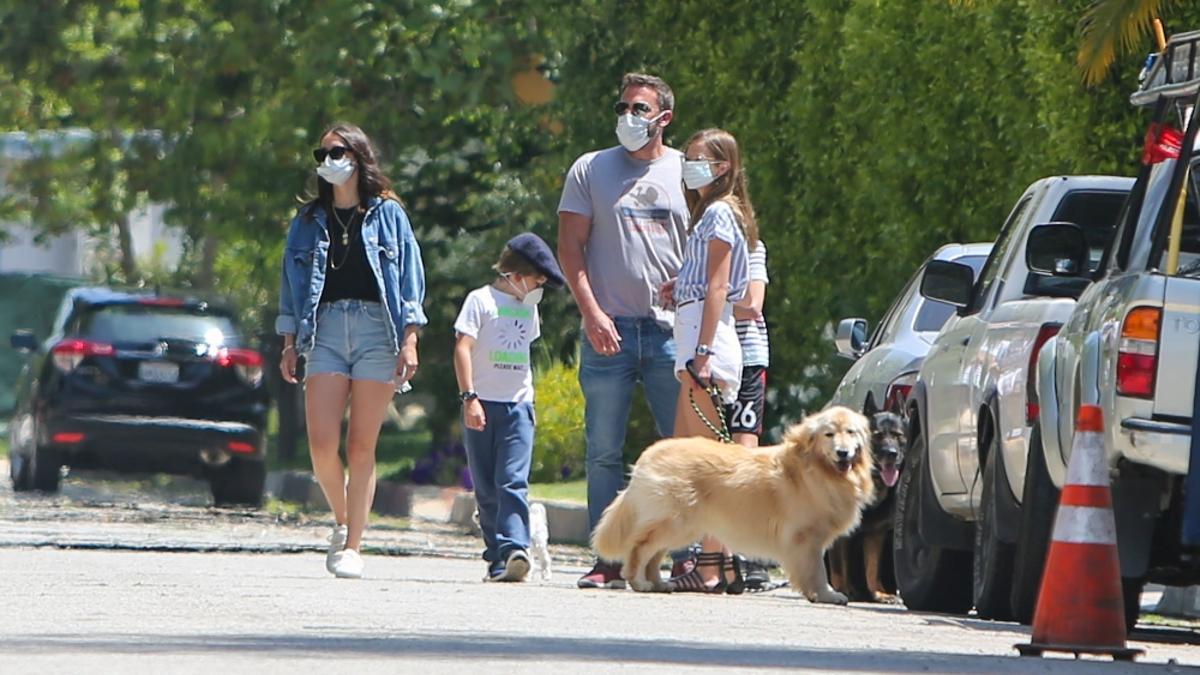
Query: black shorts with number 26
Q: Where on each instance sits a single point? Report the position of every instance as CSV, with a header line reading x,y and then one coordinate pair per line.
x,y
745,415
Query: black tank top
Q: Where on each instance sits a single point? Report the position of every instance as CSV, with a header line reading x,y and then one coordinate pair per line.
x,y
348,276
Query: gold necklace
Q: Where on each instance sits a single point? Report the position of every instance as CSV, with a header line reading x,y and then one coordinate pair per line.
x,y
344,226
345,242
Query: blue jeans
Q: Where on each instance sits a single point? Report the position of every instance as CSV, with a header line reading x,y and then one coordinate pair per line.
x,y
499,459
648,356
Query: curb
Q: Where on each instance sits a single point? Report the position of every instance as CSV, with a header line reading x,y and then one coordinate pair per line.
x,y
566,521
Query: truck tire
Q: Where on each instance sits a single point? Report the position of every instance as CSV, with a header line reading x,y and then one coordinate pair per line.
x,y
992,568
1039,502
18,471
239,483
45,470
1131,589
929,578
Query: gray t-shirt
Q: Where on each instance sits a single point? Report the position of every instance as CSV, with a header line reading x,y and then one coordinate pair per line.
x,y
639,224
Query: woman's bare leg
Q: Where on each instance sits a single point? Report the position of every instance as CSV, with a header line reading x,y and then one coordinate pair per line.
x,y
369,400
325,405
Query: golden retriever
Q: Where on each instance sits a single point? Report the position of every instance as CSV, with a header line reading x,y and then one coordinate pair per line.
x,y
787,502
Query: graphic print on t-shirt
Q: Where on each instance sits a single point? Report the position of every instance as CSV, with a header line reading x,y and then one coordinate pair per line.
x,y
514,333
644,209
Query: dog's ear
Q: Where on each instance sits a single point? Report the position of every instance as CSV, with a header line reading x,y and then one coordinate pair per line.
x,y
799,437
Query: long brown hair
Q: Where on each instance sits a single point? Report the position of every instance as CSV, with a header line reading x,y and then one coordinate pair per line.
x,y
720,145
371,180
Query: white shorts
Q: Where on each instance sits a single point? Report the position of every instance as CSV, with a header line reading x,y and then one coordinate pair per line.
x,y
726,358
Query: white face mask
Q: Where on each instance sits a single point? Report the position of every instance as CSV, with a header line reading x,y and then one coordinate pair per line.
x,y
528,297
697,173
336,171
634,132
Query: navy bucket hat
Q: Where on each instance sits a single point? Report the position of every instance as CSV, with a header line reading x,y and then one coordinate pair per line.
x,y
533,249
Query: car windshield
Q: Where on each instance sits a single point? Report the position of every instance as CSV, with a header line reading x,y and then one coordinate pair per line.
x,y
125,323
934,313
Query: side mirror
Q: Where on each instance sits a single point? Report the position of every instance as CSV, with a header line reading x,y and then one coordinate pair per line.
x,y
1057,249
851,338
23,341
948,282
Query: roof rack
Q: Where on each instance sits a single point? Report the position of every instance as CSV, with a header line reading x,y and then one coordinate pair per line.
x,y
1173,74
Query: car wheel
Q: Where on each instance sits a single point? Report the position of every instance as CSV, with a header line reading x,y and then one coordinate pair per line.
x,y
993,559
239,483
929,578
45,470
1039,501
18,470
1131,589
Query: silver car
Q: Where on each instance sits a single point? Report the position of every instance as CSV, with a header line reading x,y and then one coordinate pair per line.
x,y
886,365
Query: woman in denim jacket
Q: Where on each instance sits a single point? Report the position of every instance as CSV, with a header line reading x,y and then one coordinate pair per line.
x,y
350,303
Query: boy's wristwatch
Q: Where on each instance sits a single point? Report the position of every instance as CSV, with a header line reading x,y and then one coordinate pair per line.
x,y
468,395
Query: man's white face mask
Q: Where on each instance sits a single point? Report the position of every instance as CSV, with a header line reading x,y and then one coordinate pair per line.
x,y
634,132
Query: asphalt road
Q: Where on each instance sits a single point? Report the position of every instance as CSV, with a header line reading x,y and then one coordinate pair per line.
x,y
124,577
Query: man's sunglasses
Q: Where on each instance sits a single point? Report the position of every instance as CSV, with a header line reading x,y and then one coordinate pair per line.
x,y
336,152
638,108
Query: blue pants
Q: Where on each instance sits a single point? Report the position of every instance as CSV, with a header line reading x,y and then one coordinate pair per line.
x,y
499,459
648,356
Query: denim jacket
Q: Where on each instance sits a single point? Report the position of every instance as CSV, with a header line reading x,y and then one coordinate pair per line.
x,y
392,253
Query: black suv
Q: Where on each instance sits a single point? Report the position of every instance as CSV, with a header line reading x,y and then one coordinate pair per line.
x,y
140,382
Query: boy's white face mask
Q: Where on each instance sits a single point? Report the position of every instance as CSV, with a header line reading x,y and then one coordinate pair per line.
x,y
529,297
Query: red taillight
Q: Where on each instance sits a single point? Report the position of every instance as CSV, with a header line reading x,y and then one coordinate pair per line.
x,y
897,394
246,362
240,447
67,437
1137,354
1032,408
69,353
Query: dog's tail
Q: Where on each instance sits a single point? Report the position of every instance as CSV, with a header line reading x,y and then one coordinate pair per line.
x,y
610,540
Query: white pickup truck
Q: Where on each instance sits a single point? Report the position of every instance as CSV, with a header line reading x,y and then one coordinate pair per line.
x,y
1131,346
972,405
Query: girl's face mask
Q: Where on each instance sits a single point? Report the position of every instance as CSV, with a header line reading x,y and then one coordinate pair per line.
x,y
697,173
336,171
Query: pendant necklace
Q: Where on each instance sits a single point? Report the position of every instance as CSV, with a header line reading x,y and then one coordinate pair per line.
x,y
345,227
345,241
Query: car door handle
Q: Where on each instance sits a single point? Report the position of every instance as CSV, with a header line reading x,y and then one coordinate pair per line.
x,y
966,341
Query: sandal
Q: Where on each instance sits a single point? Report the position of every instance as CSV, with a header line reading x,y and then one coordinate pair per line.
x,y
692,582
738,585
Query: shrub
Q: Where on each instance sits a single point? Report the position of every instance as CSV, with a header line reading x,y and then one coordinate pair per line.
x,y
559,448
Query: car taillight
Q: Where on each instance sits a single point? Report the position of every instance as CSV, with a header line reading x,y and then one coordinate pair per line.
x,y
246,362
1032,408
69,353
897,393
1137,355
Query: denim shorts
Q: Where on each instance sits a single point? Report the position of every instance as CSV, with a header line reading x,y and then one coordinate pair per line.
x,y
352,340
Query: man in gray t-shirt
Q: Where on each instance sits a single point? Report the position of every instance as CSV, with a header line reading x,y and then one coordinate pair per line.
x,y
622,223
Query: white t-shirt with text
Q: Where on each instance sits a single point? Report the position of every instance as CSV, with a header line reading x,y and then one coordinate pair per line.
x,y
503,328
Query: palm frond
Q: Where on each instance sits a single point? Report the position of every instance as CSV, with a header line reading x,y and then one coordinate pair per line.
x,y
1111,28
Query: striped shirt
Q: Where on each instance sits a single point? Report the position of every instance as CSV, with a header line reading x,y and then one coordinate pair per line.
x,y
717,222
752,333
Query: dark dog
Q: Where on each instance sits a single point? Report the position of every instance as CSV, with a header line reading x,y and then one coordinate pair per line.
x,y
860,564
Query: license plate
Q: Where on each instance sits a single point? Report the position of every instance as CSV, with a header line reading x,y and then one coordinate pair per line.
x,y
158,371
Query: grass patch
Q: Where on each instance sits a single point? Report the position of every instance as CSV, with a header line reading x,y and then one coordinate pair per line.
x,y
569,491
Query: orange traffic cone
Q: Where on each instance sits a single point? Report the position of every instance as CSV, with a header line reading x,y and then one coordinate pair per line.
x,y
1080,607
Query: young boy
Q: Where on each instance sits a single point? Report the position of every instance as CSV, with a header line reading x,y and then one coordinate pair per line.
x,y
494,329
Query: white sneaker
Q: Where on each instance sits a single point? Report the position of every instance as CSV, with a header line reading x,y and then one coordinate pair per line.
x,y
337,542
348,565
516,567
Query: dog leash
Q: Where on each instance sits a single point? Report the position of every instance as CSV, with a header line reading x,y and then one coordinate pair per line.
x,y
714,393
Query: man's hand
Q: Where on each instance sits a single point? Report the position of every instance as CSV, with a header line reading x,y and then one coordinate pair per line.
x,y
666,294
602,333
473,416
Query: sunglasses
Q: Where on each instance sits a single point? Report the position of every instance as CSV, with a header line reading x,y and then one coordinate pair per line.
x,y
638,108
336,152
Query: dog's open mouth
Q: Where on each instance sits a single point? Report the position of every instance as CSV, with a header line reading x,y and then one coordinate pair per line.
x,y
888,471
843,465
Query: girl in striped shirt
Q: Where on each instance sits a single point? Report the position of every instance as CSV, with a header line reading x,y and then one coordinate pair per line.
x,y
715,275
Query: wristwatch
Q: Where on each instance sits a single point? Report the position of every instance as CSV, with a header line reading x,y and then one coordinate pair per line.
x,y
469,395
703,350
